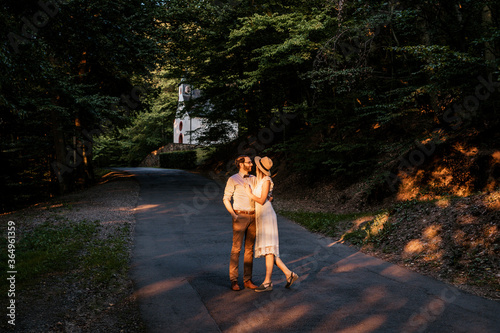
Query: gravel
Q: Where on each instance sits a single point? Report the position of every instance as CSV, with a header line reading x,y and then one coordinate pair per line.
x,y
67,302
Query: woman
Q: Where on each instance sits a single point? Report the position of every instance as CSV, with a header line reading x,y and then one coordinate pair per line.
x,y
267,241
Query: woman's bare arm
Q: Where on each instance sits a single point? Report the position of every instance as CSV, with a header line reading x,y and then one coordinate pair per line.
x,y
263,195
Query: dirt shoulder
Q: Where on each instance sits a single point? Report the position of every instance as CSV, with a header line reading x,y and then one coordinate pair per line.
x,y
70,301
453,239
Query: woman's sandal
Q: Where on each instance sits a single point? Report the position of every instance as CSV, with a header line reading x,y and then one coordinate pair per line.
x,y
264,287
289,281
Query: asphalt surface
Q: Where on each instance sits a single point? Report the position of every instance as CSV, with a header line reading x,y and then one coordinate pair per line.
x,y
181,260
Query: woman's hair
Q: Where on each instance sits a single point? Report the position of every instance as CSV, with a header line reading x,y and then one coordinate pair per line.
x,y
240,159
259,174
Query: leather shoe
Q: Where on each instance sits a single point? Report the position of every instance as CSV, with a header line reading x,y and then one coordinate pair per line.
x,y
235,286
249,285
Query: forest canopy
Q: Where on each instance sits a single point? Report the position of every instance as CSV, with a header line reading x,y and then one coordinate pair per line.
x,y
365,82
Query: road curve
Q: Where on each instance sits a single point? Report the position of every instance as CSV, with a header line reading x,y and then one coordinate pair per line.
x,y
180,269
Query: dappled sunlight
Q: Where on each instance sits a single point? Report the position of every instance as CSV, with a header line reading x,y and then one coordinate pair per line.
x,y
259,320
443,203
54,206
145,207
359,221
158,288
491,231
492,201
429,244
428,313
460,236
472,151
414,247
378,302
378,223
436,184
432,232
355,261
298,311
355,225
110,176
300,259
374,294
172,254
462,171
441,177
367,325
370,226
472,242
396,272
496,156
466,219
409,188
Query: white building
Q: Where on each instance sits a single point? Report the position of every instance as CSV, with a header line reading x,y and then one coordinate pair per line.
x,y
185,127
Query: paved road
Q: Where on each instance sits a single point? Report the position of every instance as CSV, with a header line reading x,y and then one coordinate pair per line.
x,y
181,261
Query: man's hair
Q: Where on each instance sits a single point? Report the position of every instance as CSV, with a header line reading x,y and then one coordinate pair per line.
x,y
240,159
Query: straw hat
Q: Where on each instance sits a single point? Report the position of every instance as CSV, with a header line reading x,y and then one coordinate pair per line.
x,y
264,164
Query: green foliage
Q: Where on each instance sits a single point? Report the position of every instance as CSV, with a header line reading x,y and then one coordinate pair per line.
x,y
148,130
106,258
373,232
358,77
329,224
185,159
131,144
62,247
59,86
281,42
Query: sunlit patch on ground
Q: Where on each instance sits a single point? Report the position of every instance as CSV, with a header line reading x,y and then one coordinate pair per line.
x,y
492,200
443,203
428,246
461,172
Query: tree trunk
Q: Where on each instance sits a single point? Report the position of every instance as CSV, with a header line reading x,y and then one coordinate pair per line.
x,y
60,168
489,55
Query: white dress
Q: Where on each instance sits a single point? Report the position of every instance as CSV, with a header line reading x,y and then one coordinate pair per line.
x,y
267,240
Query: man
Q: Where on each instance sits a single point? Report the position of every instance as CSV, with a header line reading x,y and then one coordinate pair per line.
x,y
242,211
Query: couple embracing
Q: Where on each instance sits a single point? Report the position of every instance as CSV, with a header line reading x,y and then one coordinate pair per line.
x,y
254,223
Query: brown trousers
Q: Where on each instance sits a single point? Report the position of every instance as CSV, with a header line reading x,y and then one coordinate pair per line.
x,y
243,228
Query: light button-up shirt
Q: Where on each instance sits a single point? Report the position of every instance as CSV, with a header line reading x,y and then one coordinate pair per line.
x,y
235,189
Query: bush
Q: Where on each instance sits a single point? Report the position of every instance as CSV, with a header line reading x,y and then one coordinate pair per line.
x,y
178,159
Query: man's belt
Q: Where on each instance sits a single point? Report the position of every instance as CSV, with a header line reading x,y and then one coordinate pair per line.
x,y
247,212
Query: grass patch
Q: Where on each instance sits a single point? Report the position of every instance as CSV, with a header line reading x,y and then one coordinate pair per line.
x,y
372,227
50,248
60,247
107,258
373,231
329,224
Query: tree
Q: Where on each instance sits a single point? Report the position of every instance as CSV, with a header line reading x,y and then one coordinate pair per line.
x,y
70,65
148,130
247,57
